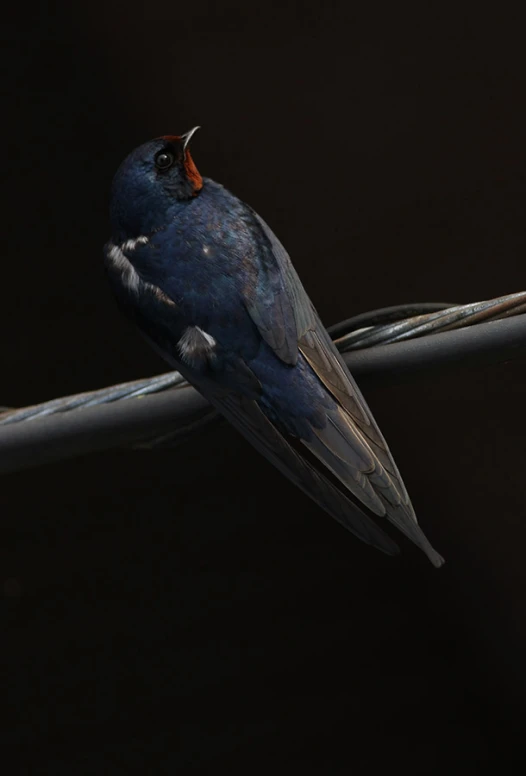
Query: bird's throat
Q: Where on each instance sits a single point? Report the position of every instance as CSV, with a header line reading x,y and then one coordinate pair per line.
x,y
192,174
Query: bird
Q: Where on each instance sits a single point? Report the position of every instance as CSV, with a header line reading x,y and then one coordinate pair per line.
x,y
212,289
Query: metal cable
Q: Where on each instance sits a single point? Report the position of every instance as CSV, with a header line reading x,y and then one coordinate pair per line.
x,y
136,388
381,344
380,327
418,325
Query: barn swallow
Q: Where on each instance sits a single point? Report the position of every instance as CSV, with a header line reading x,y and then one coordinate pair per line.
x,y
213,290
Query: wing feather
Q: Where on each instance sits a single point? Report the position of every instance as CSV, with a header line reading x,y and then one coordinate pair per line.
x,y
351,444
246,415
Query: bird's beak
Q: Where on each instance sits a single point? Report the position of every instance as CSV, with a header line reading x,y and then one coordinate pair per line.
x,y
188,136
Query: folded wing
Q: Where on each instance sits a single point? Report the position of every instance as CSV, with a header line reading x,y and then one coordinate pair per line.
x,y
350,445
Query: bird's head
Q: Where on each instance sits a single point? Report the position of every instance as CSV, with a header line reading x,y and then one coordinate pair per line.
x,y
151,183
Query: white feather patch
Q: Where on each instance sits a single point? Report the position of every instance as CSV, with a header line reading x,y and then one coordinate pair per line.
x,y
130,245
196,345
129,275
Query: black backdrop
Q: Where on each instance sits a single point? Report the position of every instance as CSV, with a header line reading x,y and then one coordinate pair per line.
x,y
190,610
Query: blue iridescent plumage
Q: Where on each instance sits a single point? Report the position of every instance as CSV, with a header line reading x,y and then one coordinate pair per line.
x,y
214,291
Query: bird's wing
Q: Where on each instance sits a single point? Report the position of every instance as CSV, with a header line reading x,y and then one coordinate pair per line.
x,y
234,395
246,415
351,444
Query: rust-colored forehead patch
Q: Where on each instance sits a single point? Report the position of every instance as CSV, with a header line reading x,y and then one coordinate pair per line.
x,y
171,138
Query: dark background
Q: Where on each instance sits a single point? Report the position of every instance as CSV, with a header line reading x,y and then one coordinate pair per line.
x,y
189,610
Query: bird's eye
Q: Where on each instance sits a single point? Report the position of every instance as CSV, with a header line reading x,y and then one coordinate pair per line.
x,y
164,160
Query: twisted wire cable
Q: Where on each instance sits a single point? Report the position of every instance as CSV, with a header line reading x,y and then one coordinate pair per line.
x,y
130,390
428,322
381,344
